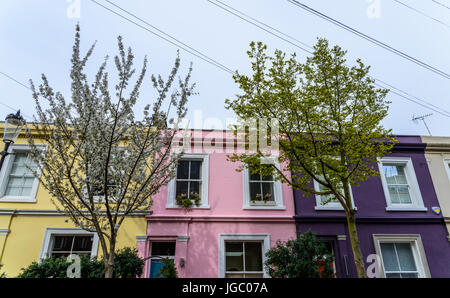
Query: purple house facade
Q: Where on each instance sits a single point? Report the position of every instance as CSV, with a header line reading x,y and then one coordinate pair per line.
x,y
396,219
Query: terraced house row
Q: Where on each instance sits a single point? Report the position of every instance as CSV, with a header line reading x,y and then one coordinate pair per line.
x,y
403,216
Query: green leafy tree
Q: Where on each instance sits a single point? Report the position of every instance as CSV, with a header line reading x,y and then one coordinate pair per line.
x,y
168,270
303,257
329,121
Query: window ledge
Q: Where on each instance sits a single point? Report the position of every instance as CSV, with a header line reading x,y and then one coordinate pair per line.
x,y
393,208
192,207
327,208
262,203
262,207
12,199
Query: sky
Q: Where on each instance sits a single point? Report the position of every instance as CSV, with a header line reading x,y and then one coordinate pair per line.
x,y
36,36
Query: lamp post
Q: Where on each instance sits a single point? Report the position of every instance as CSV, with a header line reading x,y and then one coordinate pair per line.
x,y
13,126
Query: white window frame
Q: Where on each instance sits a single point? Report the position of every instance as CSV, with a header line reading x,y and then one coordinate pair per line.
x,y
447,166
416,246
159,257
414,190
264,238
171,201
4,176
50,232
277,191
330,205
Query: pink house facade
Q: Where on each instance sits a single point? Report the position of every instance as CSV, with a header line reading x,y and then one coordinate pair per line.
x,y
240,216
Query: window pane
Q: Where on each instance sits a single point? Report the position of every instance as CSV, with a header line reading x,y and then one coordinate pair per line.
x,y
62,243
253,275
395,174
409,275
163,248
268,191
234,275
253,256
393,194
255,191
195,169
183,169
194,187
182,187
405,257
256,177
25,191
83,243
389,257
234,256
403,194
155,267
393,275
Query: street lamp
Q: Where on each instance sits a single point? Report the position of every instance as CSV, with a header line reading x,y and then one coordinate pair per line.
x,y
13,126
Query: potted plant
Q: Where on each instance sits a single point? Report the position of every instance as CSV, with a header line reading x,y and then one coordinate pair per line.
x,y
187,201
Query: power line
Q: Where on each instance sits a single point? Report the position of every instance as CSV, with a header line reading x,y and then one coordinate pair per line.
x,y
422,13
441,4
396,91
13,79
185,48
370,39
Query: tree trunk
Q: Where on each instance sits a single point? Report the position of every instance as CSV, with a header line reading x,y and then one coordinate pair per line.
x,y
356,248
109,260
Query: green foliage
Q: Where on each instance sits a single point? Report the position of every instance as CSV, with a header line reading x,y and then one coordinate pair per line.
x,y
304,257
187,202
168,270
329,117
127,265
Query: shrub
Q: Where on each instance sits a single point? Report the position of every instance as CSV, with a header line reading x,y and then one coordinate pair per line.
x,y
304,257
2,274
168,270
127,265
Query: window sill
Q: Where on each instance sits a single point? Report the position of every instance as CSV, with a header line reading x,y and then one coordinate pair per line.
x,y
192,207
262,203
11,199
393,208
263,207
330,208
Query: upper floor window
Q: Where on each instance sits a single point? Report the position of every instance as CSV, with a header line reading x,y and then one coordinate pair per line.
x,y
18,183
329,202
402,256
400,184
261,192
190,182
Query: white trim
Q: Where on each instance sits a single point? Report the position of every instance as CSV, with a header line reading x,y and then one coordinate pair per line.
x,y
4,176
416,197
416,245
49,232
183,238
141,238
447,166
330,205
171,187
265,238
4,232
277,191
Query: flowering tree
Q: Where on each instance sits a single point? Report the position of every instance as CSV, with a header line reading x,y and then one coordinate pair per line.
x,y
102,164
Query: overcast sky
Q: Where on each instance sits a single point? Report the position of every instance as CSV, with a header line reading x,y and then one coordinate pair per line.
x,y
36,36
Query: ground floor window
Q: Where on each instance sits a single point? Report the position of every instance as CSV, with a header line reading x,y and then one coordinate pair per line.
x,y
243,259
402,256
329,245
65,245
62,242
158,251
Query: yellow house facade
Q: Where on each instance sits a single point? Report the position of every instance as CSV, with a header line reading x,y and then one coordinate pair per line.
x,y
437,154
31,228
